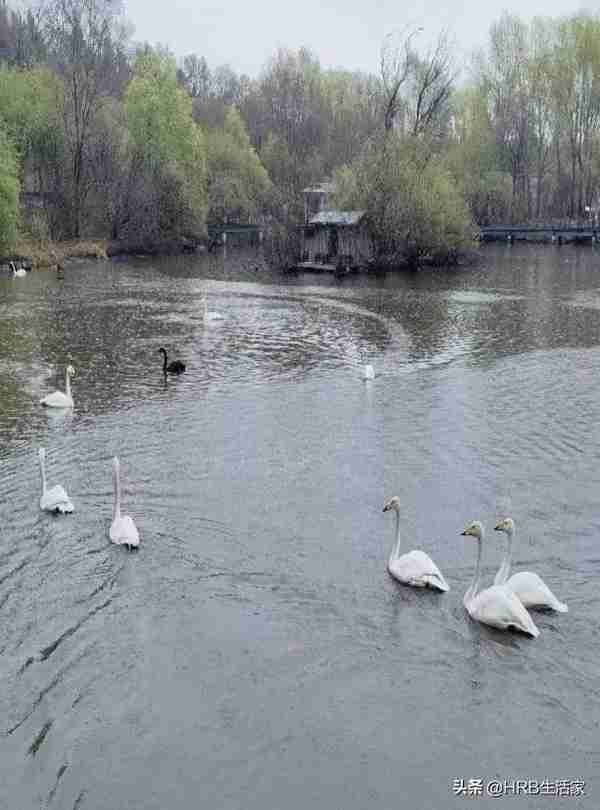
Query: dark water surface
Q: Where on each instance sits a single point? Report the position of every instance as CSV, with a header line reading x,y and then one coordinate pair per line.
x,y
253,653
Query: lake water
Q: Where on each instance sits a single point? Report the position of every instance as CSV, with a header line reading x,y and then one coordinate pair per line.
x,y
254,653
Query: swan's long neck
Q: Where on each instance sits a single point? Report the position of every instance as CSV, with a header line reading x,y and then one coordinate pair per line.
x,y
396,549
68,385
117,488
472,590
504,569
43,474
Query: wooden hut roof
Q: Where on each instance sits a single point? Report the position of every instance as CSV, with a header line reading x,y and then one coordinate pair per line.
x,y
337,218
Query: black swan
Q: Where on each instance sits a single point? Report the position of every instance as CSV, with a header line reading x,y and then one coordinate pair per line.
x,y
174,367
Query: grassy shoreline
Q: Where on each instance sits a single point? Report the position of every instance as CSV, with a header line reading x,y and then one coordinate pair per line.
x,y
40,255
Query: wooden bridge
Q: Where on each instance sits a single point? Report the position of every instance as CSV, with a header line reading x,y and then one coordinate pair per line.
x,y
540,233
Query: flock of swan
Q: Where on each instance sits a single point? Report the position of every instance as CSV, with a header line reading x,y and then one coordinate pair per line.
x,y
504,604
123,530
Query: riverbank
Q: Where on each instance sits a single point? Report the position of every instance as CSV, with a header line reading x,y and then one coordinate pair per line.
x,y
43,255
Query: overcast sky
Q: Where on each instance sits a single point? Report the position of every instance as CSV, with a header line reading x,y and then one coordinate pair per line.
x,y
342,33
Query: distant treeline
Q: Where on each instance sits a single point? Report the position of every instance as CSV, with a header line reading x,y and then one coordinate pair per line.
x,y
116,140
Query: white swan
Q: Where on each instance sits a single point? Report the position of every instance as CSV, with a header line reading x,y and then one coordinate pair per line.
x,y
497,605
531,590
415,568
54,499
210,316
58,399
123,530
17,273
368,372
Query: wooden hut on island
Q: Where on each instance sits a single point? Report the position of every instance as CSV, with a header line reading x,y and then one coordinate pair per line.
x,y
331,239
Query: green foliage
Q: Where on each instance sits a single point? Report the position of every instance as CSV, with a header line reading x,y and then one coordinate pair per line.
x,y
122,153
473,160
169,146
238,184
413,207
9,192
279,162
160,112
31,105
30,108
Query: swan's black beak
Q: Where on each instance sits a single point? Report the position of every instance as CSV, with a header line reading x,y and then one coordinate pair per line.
x,y
498,528
386,508
463,534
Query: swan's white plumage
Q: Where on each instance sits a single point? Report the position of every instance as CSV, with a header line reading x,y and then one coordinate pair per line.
x,y
415,568
210,315
20,273
54,499
533,592
418,569
368,372
529,588
496,606
58,399
499,607
123,530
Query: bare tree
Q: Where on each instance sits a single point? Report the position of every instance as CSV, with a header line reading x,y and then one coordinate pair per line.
x,y
396,60
433,80
506,77
196,75
86,43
